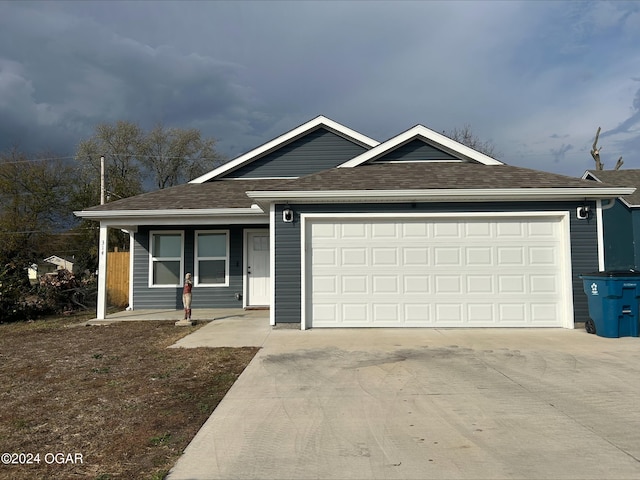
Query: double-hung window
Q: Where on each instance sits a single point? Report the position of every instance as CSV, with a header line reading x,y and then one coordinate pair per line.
x,y
212,258
166,267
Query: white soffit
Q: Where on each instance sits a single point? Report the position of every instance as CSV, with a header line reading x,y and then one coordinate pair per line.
x,y
429,136
282,140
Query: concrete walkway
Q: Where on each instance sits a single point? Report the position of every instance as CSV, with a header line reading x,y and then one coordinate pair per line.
x,y
421,403
198,314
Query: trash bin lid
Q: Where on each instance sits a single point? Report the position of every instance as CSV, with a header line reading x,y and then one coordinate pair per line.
x,y
613,274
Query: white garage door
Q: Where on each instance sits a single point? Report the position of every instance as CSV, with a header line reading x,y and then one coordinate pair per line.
x,y
475,271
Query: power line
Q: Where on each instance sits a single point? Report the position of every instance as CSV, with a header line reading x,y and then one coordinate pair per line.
x,y
73,157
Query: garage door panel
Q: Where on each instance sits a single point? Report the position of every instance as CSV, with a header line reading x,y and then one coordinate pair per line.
x,y
510,230
415,256
509,284
355,284
543,313
480,314
417,314
385,314
447,230
479,256
543,256
435,272
447,256
355,314
385,256
513,256
351,231
448,313
415,230
416,284
543,284
480,284
447,284
384,231
350,257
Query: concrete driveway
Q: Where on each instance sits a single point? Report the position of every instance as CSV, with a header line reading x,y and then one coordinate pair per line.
x,y
422,403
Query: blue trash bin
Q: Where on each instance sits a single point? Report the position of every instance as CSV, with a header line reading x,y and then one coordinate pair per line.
x,y
613,302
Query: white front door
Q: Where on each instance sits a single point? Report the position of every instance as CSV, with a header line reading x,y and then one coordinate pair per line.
x,y
257,272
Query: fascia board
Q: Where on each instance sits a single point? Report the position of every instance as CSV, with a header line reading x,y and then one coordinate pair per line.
x,y
437,195
284,139
176,216
432,137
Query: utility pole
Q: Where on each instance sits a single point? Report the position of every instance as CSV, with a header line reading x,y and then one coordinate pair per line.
x,y
102,180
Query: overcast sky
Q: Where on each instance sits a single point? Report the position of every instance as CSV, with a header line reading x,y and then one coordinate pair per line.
x,y
535,78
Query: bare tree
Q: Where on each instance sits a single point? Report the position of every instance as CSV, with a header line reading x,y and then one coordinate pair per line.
x,y
466,136
595,153
174,155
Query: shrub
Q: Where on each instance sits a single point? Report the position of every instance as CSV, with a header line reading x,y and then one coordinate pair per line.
x,y
58,292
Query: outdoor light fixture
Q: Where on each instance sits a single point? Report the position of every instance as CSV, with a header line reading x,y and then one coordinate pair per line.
x,y
583,212
287,215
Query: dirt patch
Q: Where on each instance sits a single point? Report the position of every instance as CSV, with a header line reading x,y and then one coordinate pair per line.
x,y
105,402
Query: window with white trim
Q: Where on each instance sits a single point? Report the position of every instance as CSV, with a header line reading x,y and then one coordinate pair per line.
x,y
166,265
212,258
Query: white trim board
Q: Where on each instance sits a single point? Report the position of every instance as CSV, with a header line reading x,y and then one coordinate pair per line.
x,y
282,140
430,137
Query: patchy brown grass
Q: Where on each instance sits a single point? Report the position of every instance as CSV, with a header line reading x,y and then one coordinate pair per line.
x,y
113,396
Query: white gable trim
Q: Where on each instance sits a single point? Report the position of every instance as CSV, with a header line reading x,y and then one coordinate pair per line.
x,y
319,121
589,175
429,136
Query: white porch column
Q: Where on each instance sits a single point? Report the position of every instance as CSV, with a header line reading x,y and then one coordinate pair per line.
x,y
101,313
600,230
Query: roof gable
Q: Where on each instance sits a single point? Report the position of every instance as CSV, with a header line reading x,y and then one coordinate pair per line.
x,y
623,178
282,141
440,143
316,151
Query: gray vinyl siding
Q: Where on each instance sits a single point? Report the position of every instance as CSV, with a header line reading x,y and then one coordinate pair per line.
x,y
288,295
319,150
618,238
416,151
203,297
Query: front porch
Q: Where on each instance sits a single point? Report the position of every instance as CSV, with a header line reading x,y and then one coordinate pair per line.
x,y
197,314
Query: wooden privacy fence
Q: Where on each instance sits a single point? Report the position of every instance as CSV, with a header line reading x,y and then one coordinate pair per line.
x,y
118,278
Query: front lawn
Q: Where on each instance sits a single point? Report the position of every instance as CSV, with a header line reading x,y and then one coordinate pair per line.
x,y
105,402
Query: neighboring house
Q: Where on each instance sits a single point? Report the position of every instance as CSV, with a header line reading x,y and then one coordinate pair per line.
x,y
330,228
50,265
621,221
61,263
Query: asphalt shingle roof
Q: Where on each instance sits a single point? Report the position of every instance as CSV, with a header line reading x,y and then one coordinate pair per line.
x,y
375,176
215,194
431,175
624,178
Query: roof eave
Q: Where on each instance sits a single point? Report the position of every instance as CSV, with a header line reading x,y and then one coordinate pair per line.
x,y
208,216
438,195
